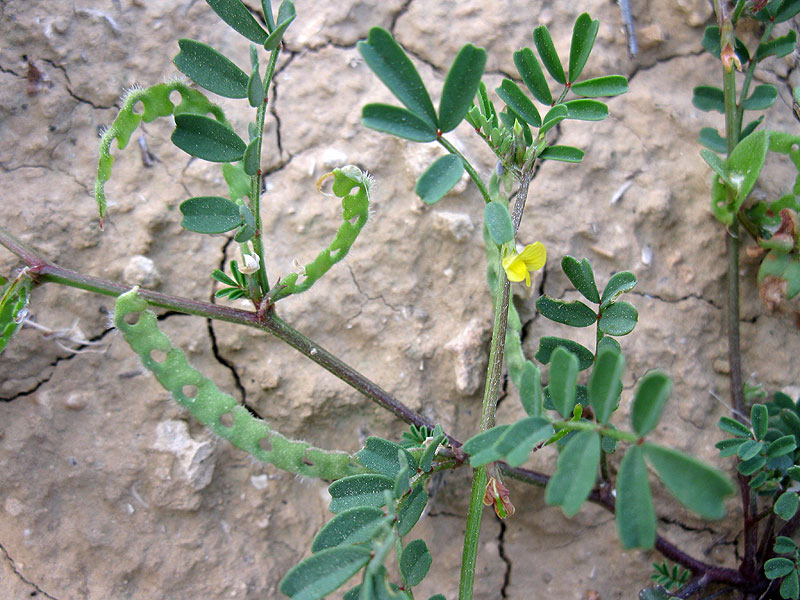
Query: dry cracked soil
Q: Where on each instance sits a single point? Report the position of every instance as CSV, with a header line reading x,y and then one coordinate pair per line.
x,y
109,490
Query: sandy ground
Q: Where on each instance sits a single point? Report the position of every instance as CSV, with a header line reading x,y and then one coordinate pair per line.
x,y
109,490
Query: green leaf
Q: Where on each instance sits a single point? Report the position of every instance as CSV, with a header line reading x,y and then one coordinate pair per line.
x,y
553,117
530,389
585,109
621,282
14,298
352,526
784,545
381,456
745,164
779,47
636,517
411,510
210,214
519,439
783,266
207,139
609,342
237,180
531,73
717,164
391,64
708,98
210,69
235,14
437,597
498,222
223,278
359,490
562,154
481,447
580,274
402,482
790,586
787,10
398,122
266,7
762,98
547,51
751,127
514,97
729,447
460,86
733,427
713,140
583,35
323,572
786,505
415,562
783,445
286,14
255,89
605,384
563,379
547,344
426,460
696,485
574,314
749,449
618,318
251,159
575,474
778,567
601,87
648,402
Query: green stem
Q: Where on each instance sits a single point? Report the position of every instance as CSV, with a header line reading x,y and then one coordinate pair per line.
x,y
748,78
255,180
469,168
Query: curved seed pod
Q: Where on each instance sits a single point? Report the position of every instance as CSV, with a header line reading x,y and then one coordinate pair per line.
x,y
352,186
216,410
156,103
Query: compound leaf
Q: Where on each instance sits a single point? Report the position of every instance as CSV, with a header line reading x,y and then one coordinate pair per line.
x,y
636,517
580,274
696,485
460,86
391,64
207,139
397,121
575,474
323,572
210,69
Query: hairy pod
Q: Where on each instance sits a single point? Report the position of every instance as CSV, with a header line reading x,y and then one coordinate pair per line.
x,y
218,411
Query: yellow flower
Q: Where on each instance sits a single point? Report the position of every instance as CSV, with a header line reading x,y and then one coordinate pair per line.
x,y
519,266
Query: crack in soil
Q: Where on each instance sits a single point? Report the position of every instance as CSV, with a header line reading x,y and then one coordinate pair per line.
x,y
677,300
368,297
501,551
12,563
75,96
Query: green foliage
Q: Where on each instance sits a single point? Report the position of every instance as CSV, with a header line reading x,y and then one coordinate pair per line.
x,y
498,222
210,214
14,298
670,578
636,517
359,490
323,572
575,474
438,179
210,69
415,562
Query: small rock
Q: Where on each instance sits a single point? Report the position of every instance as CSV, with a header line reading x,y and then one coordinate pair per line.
x,y
459,225
195,458
469,348
651,36
140,270
332,158
13,506
720,365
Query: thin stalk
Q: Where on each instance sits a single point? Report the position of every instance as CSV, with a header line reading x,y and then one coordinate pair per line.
x,y
748,78
470,554
469,168
255,180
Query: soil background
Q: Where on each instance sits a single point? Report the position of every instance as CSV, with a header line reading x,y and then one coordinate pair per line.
x,y
108,490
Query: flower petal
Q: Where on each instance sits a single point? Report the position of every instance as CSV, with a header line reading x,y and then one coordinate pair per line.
x,y
515,268
534,255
